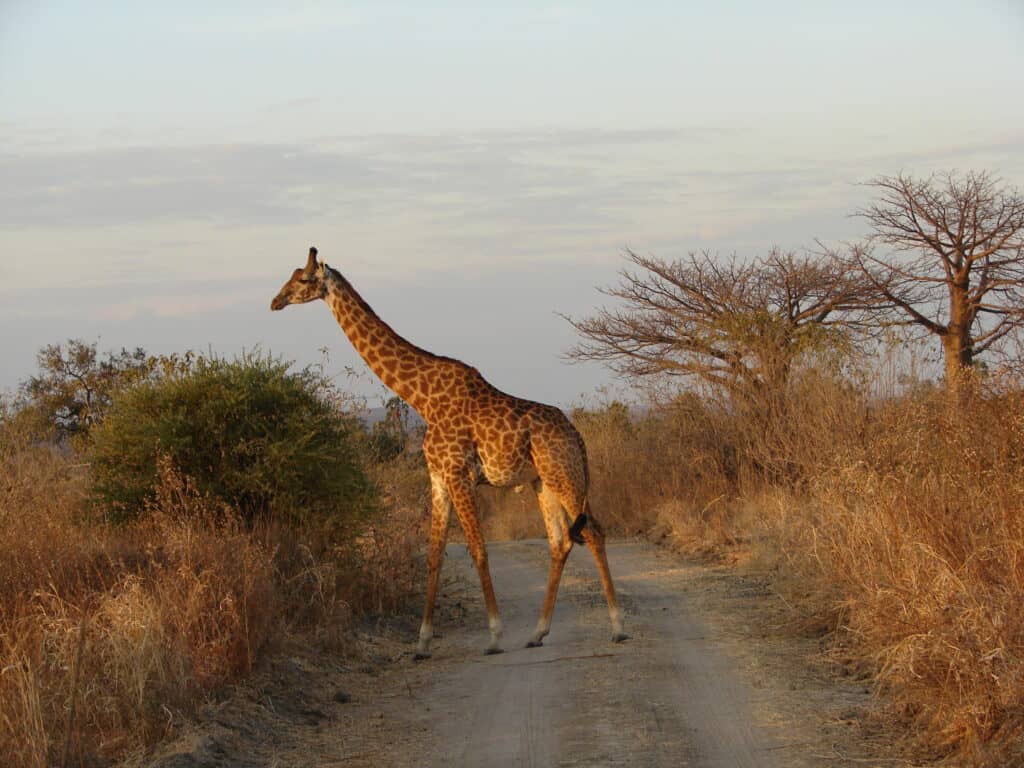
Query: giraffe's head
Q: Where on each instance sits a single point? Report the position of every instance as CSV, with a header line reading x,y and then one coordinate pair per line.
x,y
306,284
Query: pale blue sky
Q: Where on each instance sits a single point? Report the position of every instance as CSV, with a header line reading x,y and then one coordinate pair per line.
x,y
472,168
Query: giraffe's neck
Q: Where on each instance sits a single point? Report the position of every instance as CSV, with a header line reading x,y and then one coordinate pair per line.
x,y
397,362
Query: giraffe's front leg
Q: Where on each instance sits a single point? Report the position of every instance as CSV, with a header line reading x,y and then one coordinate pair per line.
x,y
440,512
462,497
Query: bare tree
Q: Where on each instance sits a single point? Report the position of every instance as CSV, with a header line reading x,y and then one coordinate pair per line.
x,y
739,326
955,267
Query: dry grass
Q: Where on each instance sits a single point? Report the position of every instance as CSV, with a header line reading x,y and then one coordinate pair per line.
x,y
391,564
109,636
892,524
668,471
508,514
914,541
105,633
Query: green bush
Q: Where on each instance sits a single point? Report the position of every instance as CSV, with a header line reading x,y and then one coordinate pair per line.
x,y
266,441
75,384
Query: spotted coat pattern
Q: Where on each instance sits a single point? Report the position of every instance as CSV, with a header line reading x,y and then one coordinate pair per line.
x,y
475,434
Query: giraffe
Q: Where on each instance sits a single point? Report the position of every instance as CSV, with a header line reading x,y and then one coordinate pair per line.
x,y
475,435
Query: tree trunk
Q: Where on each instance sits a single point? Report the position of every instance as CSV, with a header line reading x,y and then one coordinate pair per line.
x,y
956,346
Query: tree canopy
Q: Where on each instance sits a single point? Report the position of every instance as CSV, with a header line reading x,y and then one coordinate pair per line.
x,y
737,325
947,255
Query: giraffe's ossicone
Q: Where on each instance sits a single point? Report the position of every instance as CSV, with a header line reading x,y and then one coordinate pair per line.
x,y
475,434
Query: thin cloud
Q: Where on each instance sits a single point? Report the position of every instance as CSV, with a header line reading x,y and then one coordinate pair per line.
x,y
408,201
167,307
281,183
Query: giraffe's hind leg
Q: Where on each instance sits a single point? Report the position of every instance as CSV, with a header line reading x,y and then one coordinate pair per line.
x,y
560,545
439,516
594,536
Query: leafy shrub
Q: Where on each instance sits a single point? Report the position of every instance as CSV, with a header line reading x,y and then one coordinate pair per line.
x,y
263,440
132,627
75,384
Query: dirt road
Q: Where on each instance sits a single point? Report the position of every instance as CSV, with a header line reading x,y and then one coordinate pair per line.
x,y
664,698
677,694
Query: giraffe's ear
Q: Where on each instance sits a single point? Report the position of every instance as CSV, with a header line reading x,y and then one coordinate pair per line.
x,y
311,263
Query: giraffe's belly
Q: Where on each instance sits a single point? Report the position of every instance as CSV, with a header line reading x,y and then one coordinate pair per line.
x,y
502,475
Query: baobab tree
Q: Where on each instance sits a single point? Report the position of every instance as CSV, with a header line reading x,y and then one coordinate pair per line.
x,y
953,264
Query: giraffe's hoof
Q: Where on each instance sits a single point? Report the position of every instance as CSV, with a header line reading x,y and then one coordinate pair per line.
x,y
493,651
535,644
421,655
620,637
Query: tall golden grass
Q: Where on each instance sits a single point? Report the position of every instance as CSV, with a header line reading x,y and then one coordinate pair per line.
x,y
894,523
109,636
915,536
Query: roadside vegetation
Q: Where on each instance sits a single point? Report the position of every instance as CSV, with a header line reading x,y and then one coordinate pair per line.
x,y
787,419
899,537
165,522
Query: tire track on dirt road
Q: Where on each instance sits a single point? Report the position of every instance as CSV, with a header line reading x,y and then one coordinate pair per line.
x,y
665,698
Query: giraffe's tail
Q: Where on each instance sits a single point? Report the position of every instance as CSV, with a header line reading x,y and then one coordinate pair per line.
x,y
576,529
575,532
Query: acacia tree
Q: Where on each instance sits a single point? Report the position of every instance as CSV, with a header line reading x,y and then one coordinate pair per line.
x,y
389,436
955,268
75,384
739,326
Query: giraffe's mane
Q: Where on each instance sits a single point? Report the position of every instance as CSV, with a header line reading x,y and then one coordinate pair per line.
x,y
340,278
